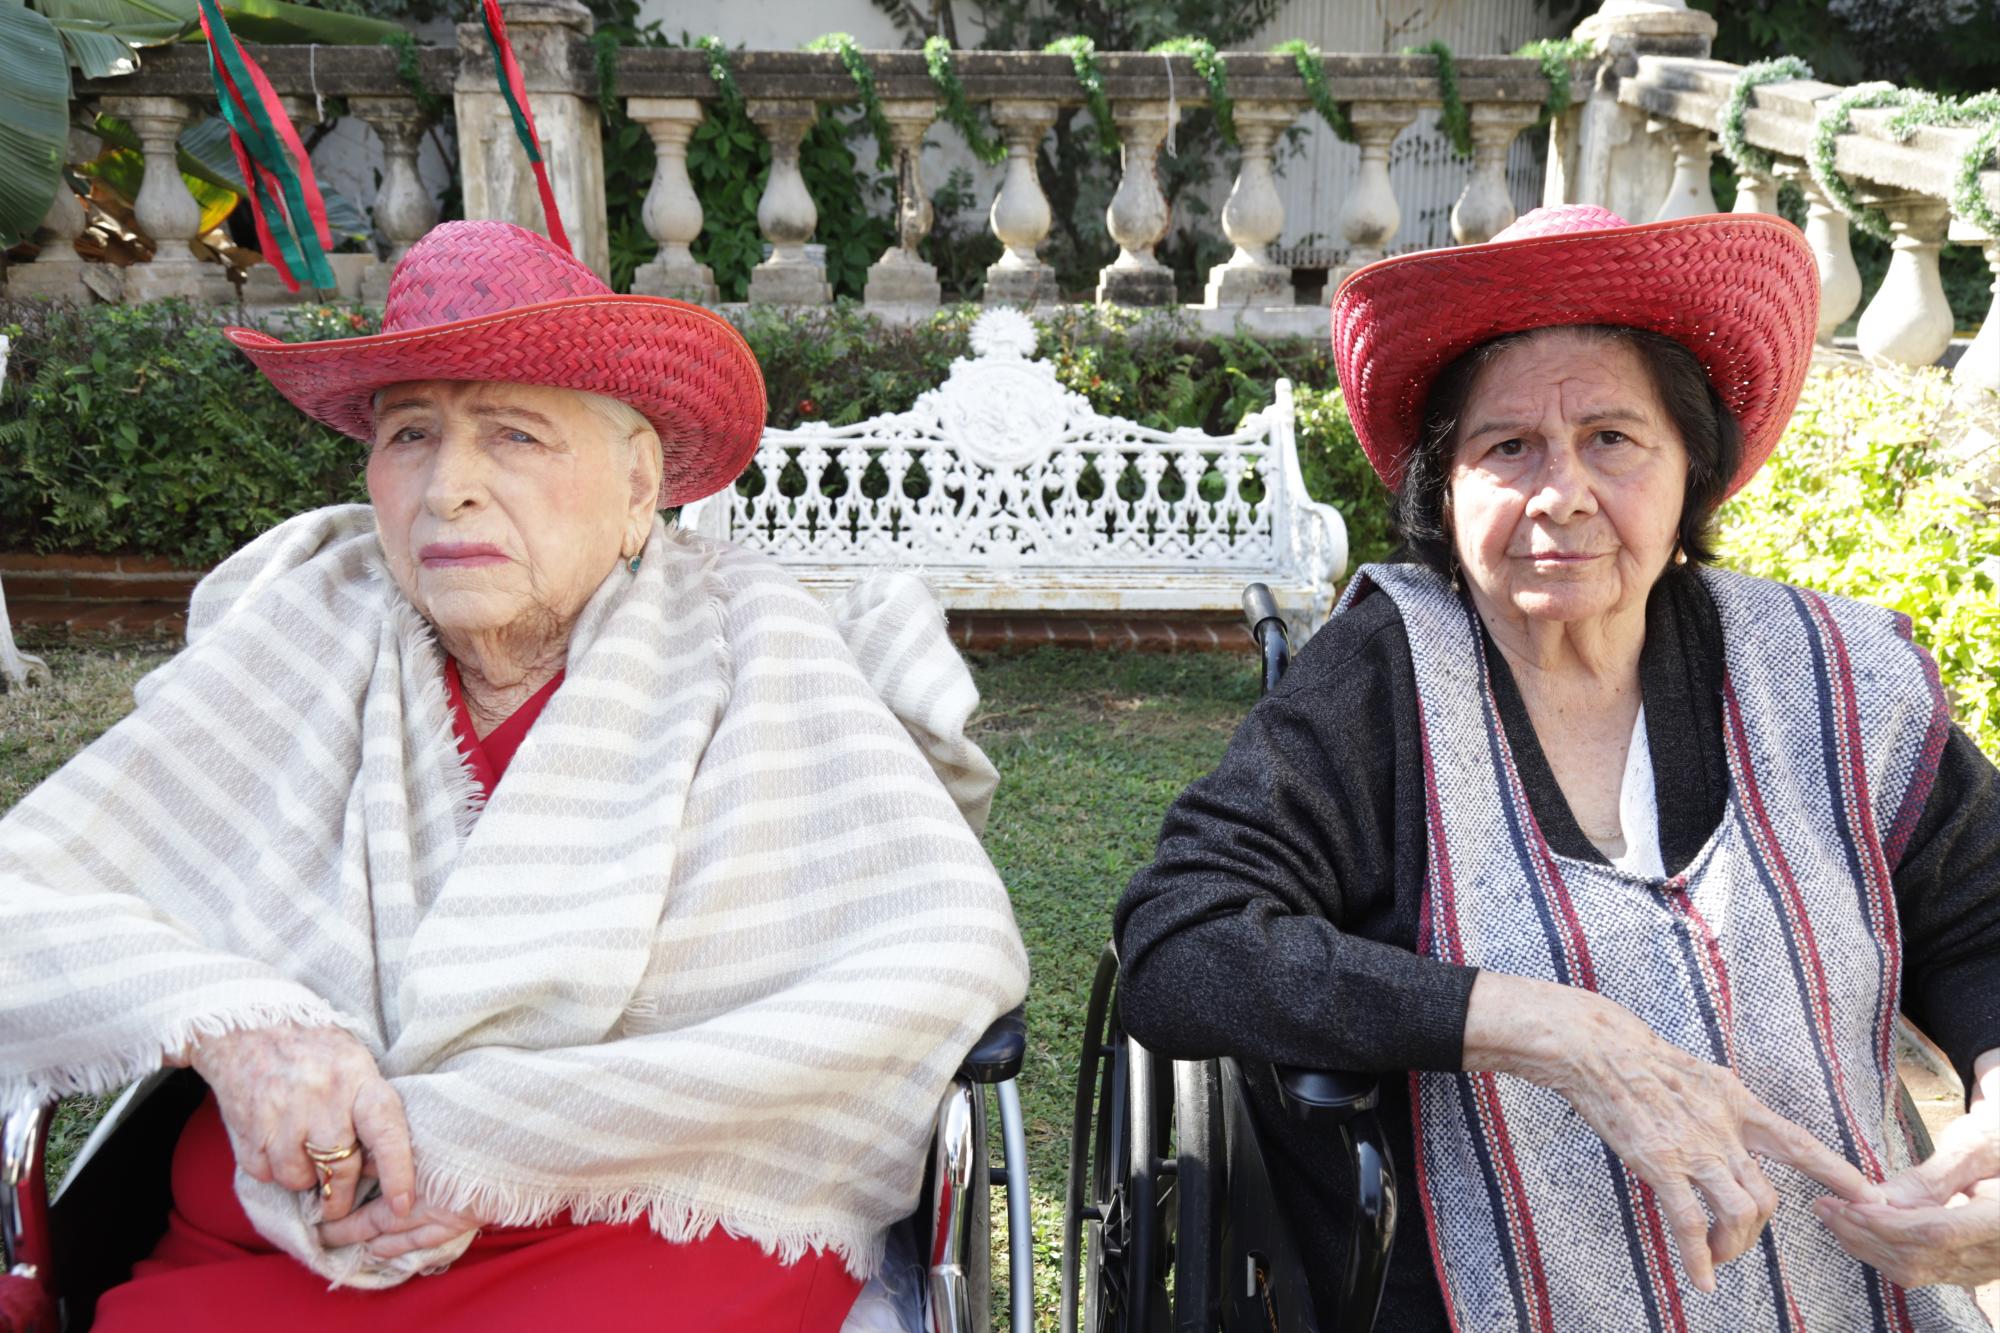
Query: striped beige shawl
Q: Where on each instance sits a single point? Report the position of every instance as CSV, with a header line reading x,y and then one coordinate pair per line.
x,y
710,955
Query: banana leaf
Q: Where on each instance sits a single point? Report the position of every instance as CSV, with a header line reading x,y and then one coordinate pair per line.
x,y
34,119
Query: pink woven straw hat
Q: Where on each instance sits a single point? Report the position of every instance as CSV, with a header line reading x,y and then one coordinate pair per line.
x,y
1739,290
493,301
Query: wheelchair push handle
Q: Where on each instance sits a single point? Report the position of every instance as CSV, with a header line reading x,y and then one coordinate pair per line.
x,y
1259,606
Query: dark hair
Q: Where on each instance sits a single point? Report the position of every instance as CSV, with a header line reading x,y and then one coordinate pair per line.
x,y
1707,429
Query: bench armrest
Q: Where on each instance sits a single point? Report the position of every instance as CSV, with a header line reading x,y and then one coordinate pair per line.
x,y
997,1055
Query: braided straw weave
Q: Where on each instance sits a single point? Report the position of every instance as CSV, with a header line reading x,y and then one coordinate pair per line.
x,y
493,301
1738,290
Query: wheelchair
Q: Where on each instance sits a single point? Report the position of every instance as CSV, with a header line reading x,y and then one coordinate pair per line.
x,y
1169,1221
64,1251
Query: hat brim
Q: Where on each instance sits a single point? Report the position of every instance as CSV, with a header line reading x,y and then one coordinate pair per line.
x,y
1740,291
686,369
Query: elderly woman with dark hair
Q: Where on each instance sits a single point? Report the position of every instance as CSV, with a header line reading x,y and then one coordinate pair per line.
x,y
1629,861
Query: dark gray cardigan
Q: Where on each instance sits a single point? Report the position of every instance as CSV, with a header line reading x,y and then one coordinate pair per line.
x,y
1279,917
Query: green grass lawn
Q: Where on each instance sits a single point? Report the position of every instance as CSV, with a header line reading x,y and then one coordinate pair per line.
x,y
1091,748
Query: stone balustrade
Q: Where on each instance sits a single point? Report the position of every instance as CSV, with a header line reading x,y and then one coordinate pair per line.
x,y
668,91
1638,138
1908,321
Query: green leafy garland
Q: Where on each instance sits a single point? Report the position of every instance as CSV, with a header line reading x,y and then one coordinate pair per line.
x,y
1914,109
1454,120
1311,64
844,46
1555,55
1747,156
956,110
1207,63
1082,53
410,73
719,71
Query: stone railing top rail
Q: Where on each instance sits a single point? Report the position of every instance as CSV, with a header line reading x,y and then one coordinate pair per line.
x,y
371,71
1780,120
181,70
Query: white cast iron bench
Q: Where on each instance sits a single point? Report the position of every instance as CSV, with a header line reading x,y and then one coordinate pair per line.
x,y
1009,492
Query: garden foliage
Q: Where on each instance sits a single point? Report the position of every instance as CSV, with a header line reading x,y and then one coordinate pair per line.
x,y
1857,501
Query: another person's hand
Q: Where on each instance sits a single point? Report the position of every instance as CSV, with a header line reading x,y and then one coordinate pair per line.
x,y
282,1088
389,1234
1686,1127
1941,1223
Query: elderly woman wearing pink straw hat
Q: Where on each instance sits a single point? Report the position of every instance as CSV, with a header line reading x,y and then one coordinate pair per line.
x,y
575,924
1629,861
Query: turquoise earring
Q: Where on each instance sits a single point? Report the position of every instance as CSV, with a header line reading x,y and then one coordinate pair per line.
x,y
634,566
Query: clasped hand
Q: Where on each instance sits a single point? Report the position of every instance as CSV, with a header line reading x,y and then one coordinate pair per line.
x,y
282,1088
1940,1222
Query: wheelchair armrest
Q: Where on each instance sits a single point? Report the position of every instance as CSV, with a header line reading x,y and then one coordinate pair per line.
x,y
1326,1096
997,1055
24,1192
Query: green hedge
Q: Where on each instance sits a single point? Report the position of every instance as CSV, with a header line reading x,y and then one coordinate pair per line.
x,y
140,430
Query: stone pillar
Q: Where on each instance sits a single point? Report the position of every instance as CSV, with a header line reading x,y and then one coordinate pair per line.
x,y
1485,208
1688,194
901,276
1370,216
672,213
785,215
58,271
1138,216
1827,232
1020,216
1755,193
551,40
1979,366
1909,321
164,210
404,209
1254,216
1607,161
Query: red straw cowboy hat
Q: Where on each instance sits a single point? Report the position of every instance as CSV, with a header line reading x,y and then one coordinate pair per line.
x,y
1739,290
493,301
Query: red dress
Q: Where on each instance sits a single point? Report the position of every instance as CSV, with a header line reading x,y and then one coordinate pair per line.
x,y
213,1271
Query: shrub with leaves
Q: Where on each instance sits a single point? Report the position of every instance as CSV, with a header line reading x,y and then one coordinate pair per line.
x,y
141,429
1857,500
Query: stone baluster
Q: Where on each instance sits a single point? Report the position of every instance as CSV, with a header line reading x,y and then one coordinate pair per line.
x,y
1979,366
404,209
59,271
1827,233
672,212
1689,194
1020,216
1486,208
1254,217
1755,193
164,210
1370,216
785,215
902,276
1138,216
1909,321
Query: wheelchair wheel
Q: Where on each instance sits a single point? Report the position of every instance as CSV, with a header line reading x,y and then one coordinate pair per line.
x,y
1141,1227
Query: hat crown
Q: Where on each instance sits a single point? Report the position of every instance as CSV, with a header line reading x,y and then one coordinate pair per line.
x,y
1560,220
462,270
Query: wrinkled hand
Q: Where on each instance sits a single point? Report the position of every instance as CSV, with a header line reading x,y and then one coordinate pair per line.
x,y
1941,1223
283,1087
389,1234
1687,1128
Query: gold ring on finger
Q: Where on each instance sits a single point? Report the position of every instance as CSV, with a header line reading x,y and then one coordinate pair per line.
x,y
325,1173
329,1156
